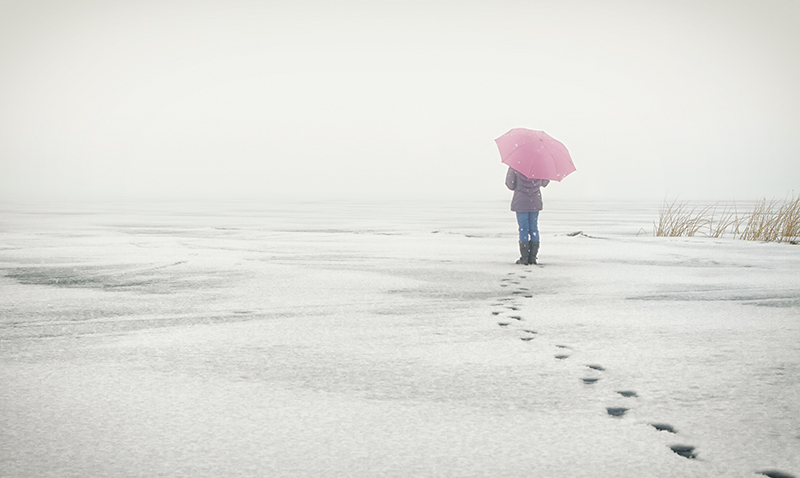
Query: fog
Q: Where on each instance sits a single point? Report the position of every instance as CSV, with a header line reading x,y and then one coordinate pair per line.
x,y
357,100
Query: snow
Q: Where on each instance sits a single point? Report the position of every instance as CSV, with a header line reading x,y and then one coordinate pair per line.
x,y
244,339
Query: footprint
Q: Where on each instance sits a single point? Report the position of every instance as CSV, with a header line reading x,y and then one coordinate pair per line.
x,y
617,412
515,317
495,313
529,297
775,474
562,346
627,393
512,307
526,339
599,368
562,357
502,324
590,381
530,331
685,451
663,427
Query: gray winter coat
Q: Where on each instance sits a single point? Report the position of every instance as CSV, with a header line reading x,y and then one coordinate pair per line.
x,y
527,197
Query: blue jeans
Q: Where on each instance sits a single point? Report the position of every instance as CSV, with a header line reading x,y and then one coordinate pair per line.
x,y
528,226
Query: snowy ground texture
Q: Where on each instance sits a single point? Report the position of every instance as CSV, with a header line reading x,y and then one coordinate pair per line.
x,y
392,340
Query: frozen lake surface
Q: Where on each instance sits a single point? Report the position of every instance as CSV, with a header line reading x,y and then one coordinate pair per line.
x,y
391,340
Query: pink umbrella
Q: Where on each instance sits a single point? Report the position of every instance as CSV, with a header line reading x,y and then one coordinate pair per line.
x,y
535,154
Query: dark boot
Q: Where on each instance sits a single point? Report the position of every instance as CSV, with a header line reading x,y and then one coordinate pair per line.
x,y
534,251
524,252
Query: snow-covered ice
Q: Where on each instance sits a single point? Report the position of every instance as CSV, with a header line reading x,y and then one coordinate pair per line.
x,y
391,340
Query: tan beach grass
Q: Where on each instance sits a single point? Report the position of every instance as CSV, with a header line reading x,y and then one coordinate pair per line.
x,y
769,220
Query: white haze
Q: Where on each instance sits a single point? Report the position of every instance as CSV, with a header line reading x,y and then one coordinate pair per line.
x,y
317,100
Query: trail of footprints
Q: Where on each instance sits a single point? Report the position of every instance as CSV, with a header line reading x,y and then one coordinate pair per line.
x,y
510,315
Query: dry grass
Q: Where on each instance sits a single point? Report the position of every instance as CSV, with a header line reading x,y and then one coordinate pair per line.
x,y
774,221
679,219
728,221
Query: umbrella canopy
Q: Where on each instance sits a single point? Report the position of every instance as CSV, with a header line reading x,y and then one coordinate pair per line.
x,y
535,154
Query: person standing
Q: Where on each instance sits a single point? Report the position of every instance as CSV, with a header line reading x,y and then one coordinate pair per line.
x,y
526,203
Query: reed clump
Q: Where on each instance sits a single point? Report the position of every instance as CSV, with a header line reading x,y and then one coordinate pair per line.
x,y
769,220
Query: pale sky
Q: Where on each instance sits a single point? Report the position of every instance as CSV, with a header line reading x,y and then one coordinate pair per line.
x,y
696,99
